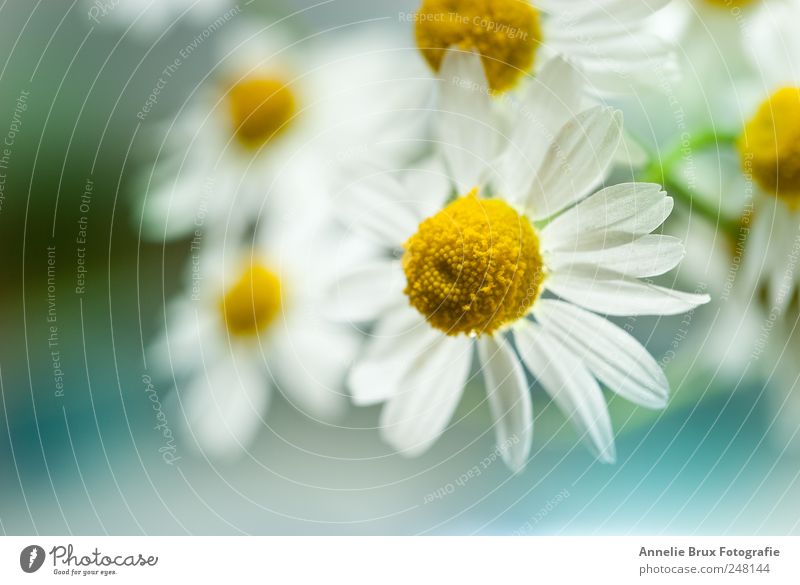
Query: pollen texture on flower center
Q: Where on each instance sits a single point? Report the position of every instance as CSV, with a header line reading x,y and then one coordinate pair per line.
x,y
506,33
473,267
729,3
253,302
261,108
770,145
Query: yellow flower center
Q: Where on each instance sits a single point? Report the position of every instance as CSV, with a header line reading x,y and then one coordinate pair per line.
x,y
729,3
506,33
253,302
770,145
261,108
473,267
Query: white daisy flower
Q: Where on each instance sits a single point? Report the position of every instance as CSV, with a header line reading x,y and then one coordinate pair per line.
x,y
152,17
765,294
273,101
249,325
607,38
474,270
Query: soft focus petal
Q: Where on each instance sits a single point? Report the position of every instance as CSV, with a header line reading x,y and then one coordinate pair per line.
x,y
465,126
577,161
309,360
550,100
225,405
377,206
398,342
365,292
427,396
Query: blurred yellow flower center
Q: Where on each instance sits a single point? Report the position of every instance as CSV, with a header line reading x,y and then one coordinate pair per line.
x,y
729,3
506,33
473,267
253,302
261,108
770,145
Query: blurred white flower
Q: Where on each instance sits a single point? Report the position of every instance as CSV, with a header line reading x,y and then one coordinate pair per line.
x,y
714,40
609,39
472,274
250,324
769,152
153,17
753,269
274,100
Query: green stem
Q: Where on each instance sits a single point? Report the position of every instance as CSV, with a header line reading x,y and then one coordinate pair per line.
x,y
729,227
662,171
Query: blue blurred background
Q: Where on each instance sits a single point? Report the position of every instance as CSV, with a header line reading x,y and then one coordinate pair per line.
x,y
85,459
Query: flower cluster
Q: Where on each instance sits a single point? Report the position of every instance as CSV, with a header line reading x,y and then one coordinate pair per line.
x,y
377,223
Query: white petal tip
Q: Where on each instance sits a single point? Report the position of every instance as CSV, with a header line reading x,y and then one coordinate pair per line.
x,y
608,455
703,299
659,403
517,468
515,463
403,447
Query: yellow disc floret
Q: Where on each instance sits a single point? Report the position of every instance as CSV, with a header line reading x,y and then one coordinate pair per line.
x,y
473,267
261,108
506,33
253,302
729,4
770,145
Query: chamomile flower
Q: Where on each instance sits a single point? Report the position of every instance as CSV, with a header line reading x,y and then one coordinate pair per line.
x,y
273,101
607,38
769,152
249,325
476,257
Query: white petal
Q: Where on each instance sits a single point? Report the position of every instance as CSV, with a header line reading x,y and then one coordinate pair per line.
x,y
757,259
465,126
428,187
644,256
509,400
784,259
396,345
225,405
600,10
630,154
612,42
189,333
615,357
775,55
367,291
571,386
429,393
550,100
309,360
636,208
612,293
577,161
378,206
